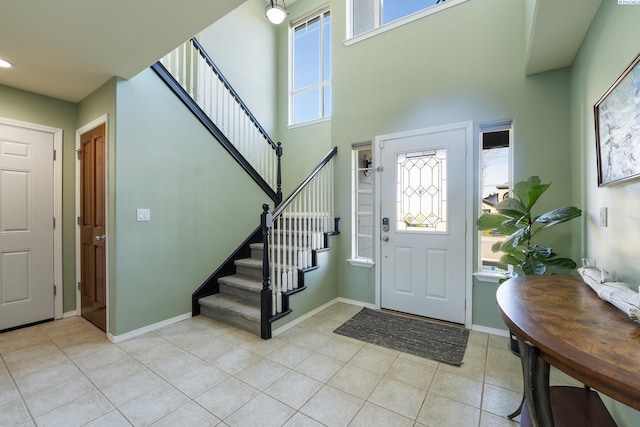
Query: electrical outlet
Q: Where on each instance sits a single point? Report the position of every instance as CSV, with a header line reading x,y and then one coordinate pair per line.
x,y
603,217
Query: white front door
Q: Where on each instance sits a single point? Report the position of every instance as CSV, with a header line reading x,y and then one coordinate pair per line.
x,y
423,193
26,226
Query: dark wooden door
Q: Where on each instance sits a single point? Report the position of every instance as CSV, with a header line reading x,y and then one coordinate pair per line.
x,y
92,226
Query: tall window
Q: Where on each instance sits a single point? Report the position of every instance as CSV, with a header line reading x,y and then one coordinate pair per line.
x,y
362,221
310,96
494,188
370,14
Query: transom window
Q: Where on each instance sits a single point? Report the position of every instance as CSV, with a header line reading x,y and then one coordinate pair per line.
x,y
310,95
371,14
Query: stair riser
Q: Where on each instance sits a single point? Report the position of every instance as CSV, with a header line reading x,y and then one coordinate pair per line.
x,y
249,271
250,296
231,318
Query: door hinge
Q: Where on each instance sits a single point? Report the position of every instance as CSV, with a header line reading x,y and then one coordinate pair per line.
x,y
379,169
78,152
78,220
55,290
54,155
54,223
79,286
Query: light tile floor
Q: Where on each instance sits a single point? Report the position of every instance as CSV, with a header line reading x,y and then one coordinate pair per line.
x,y
199,372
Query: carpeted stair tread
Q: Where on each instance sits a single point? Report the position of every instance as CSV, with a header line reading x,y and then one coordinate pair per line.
x,y
249,263
232,304
242,281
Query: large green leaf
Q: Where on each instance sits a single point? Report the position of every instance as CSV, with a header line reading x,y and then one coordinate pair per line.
x,y
529,191
510,259
556,216
532,266
559,215
489,221
541,253
511,207
503,231
496,247
520,237
561,262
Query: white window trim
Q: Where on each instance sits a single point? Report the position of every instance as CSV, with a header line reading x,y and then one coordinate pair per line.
x,y
359,262
501,125
355,260
351,39
321,85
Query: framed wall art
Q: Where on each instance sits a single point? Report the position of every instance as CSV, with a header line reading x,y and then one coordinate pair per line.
x,y
617,120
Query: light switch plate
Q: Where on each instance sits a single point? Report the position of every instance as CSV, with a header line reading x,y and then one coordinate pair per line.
x,y
603,216
143,214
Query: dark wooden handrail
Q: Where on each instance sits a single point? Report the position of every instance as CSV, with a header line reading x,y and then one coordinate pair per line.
x,y
187,100
235,95
326,159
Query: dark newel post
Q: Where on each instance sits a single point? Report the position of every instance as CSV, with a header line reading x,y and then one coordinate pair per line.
x,y
279,178
265,295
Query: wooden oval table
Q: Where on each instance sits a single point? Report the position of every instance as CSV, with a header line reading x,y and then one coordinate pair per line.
x,y
559,320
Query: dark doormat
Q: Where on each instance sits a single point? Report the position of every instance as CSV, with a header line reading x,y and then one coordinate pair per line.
x,y
422,338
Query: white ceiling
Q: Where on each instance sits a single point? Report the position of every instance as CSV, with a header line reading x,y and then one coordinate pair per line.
x,y
68,48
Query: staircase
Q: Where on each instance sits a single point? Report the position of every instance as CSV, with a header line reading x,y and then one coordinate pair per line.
x,y
251,289
238,303
258,291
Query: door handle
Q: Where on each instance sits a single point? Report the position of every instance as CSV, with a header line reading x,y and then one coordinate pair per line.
x,y
385,238
101,238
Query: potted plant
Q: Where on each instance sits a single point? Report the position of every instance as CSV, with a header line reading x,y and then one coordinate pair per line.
x,y
515,221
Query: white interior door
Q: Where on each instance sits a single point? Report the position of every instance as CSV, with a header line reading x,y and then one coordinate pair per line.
x,y
423,214
26,226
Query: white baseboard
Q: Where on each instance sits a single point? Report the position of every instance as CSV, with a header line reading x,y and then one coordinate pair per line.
x,y
136,332
72,313
313,312
490,331
358,303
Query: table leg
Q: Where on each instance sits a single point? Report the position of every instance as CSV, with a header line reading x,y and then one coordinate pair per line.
x,y
536,385
519,410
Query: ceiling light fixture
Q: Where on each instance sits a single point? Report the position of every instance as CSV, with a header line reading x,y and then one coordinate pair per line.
x,y
5,64
276,12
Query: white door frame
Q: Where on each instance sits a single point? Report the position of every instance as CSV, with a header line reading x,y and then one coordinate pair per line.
x,y
467,126
57,207
84,129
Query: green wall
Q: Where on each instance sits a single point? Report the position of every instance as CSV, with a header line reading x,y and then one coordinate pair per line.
x,y
42,110
242,45
610,45
203,205
448,67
